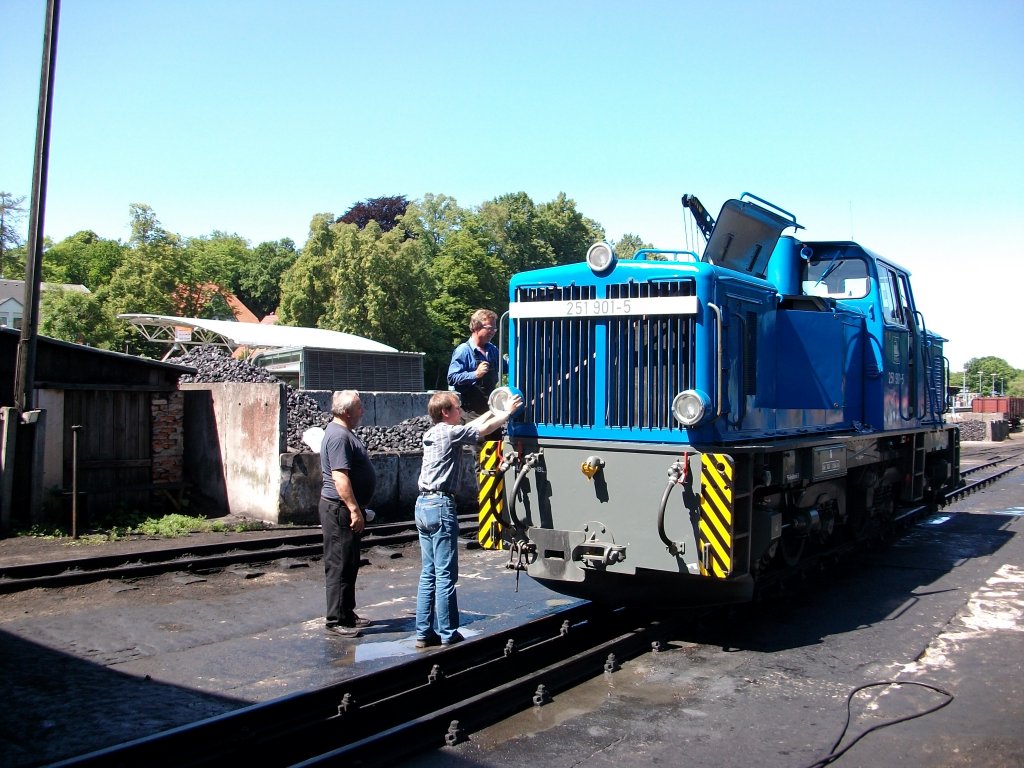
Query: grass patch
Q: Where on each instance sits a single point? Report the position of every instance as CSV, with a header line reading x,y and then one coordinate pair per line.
x,y
168,527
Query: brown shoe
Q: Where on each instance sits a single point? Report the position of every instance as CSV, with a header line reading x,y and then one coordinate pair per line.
x,y
343,631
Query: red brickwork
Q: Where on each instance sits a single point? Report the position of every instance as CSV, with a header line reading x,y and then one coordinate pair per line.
x,y
168,410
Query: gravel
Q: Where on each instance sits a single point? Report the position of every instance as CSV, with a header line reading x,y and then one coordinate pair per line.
x,y
214,366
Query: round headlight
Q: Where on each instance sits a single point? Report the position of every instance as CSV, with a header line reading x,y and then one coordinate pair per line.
x,y
689,407
600,257
498,402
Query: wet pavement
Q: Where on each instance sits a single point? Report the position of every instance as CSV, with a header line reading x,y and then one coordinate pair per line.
x,y
768,685
88,666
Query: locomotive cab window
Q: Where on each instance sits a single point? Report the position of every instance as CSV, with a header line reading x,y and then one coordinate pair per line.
x,y
836,277
895,295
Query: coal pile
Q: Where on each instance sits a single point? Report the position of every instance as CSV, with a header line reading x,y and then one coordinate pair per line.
x,y
405,437
213,366
303,413
973,431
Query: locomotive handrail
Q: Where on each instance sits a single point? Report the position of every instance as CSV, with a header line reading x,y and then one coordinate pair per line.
x,y
929,384
641,254
765,203
719,358
501,337
946,400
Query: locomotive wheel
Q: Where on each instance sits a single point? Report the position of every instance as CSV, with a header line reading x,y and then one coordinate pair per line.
x,y
791,547
765,561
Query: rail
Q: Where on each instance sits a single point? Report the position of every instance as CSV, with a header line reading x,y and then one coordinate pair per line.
x,y
197,557
384,716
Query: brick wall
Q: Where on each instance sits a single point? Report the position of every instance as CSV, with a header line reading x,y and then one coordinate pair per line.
x,y
168,410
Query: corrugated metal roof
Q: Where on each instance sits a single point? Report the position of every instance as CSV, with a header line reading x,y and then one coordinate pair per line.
x,y
162,327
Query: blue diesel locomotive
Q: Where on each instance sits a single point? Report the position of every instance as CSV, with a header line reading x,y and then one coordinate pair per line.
x,y
692,424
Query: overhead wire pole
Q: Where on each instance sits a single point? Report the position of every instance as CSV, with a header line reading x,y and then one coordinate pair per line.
x,y
21,457
25,371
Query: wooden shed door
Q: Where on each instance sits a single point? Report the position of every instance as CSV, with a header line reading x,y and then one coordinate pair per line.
x,y
114,449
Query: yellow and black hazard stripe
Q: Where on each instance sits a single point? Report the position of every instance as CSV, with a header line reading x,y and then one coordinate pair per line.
x,y
715,531
491,496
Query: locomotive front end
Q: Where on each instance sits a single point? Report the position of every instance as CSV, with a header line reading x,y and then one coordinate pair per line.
x,y
611,498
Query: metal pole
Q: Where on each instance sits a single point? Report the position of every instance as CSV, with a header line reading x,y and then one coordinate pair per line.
x,y
24,382
74,480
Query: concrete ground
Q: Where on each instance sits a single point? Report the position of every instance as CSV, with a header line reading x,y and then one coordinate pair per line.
x,y
88,666
768,686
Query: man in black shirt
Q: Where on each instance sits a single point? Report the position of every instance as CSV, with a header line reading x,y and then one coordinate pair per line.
x,y
348,484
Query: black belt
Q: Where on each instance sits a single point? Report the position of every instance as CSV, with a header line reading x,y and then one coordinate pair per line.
x,y
333,501
437,493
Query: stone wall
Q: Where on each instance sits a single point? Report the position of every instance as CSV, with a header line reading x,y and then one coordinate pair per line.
x,y
235,457
393,500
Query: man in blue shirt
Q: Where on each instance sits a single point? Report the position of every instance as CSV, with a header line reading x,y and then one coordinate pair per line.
x,y
476,364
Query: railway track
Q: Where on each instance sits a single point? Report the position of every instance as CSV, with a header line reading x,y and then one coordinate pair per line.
x,y
430,701
1012,462
197,558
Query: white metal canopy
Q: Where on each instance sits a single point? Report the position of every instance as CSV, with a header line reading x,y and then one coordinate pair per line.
x,y
192,331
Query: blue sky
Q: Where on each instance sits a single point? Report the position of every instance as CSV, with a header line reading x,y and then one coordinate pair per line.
x,y
897,124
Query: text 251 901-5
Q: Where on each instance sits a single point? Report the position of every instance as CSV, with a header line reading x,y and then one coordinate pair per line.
x,y
597,308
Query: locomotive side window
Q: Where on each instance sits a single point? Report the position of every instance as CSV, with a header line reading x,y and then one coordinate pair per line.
x,y
836,278
888,287
903,286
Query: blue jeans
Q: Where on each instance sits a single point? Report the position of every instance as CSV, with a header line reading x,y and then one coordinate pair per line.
x,y
436,601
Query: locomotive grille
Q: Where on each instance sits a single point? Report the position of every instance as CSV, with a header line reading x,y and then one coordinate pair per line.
x,y
619,371
649,359
555,360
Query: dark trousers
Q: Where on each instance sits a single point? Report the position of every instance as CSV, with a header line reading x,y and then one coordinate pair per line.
x,y
341,560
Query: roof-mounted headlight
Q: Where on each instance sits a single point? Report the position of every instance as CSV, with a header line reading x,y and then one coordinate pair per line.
x,y
690,407
600,257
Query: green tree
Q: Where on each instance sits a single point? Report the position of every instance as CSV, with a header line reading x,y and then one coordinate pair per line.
x,y
76,317
379,286
84,258
259,281
433,220
11,214
463,278
565,230
146,229
988,374
306,286
510,227
1015,385
218,258
627,246
148,281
